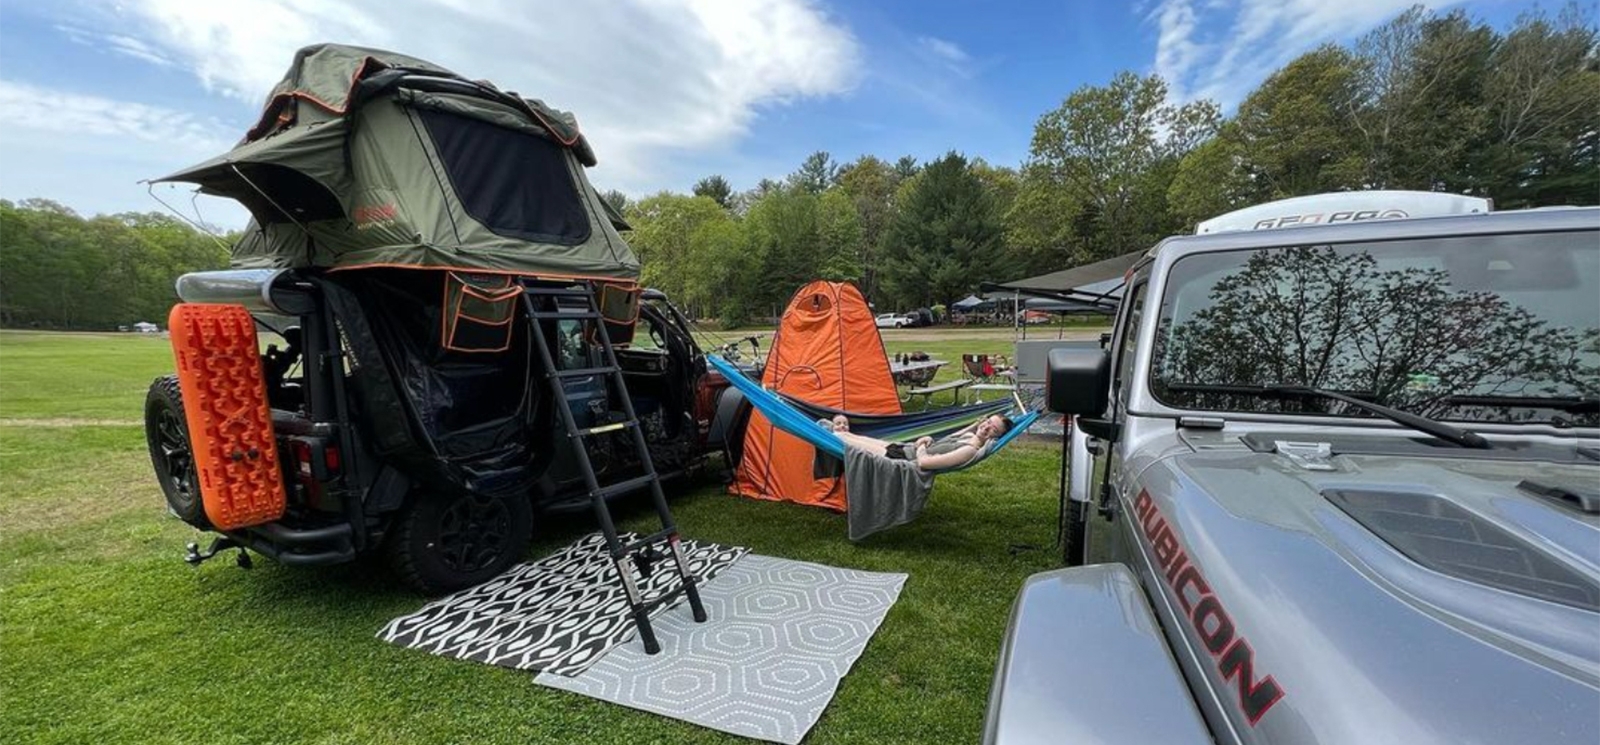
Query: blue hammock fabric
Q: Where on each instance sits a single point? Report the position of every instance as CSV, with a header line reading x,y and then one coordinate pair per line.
x,y
801,424
934,423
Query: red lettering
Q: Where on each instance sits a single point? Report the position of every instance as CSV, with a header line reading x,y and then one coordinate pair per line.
x,y
1255,697
1206,614
374,213
1178,564
1152,523
1165,545
1217,638
1190,576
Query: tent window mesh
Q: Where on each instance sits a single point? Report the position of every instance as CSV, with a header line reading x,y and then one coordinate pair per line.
x,y
516,184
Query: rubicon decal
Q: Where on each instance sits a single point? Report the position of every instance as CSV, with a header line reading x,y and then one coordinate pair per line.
x,y
1233,656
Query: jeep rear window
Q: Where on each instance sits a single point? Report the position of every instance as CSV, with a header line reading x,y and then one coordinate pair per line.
x,y
1501,328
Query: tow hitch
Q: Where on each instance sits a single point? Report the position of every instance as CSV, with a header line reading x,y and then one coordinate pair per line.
x,y
194,556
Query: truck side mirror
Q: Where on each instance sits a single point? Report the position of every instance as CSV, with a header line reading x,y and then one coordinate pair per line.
x,y
1079,381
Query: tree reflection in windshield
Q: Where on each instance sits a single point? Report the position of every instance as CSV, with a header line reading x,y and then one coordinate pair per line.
x,y
1404,335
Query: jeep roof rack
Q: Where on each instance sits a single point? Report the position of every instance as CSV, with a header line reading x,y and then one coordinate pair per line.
x,y
1344,207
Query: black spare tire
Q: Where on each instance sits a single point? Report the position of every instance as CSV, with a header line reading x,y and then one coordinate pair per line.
x,y
166,433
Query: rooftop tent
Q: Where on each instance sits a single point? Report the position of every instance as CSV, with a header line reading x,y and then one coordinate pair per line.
x,y
826,352
366,158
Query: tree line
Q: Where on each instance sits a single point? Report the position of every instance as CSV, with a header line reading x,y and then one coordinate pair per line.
x,y
1427,101
59,270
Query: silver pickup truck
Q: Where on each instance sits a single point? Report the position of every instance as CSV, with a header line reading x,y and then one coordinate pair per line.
x,y
1344,477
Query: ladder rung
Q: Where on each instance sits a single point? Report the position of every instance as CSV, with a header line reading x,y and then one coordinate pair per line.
x,y
558,291
584,372
584,315
650,540
604,428
657,601
623,487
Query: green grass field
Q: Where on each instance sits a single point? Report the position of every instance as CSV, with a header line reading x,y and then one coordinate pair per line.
x,y
107,636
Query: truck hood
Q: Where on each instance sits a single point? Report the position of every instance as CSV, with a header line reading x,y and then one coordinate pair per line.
x,y
1389,598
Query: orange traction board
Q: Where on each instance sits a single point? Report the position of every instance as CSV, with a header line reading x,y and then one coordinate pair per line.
x,y
230,423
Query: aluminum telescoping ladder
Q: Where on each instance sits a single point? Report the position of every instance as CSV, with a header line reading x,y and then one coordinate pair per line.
x,y
547,307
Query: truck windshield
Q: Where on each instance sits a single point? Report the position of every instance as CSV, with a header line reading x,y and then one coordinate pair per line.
x,y
1501,328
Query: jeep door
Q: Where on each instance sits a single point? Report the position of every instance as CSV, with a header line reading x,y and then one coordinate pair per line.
x,y
1107,457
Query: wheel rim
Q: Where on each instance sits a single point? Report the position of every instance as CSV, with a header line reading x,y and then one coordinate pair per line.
x,y
177,459
472,533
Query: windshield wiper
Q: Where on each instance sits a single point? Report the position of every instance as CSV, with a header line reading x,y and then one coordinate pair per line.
x,y
1559,403
1448,433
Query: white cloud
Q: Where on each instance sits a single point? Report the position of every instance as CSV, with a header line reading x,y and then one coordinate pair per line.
x,y
90,151
944,53
1222,49
649,79
48,110
946,50
124,45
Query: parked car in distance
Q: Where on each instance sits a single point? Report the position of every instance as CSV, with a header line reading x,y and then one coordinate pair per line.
x,y
894,321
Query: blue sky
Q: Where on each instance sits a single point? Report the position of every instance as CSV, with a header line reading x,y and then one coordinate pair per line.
x,y
98,95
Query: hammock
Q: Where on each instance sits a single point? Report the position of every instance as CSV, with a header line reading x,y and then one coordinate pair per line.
x,y
899,428
906,427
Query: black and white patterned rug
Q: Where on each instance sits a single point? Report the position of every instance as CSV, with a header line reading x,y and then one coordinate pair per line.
x,y
780,637
558,614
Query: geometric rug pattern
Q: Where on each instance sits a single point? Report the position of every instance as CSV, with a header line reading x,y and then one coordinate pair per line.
x,y
781,635
558,614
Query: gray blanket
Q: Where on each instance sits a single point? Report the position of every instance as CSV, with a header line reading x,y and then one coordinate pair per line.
x,y
882,492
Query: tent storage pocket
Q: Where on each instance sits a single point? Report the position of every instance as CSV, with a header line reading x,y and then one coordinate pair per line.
x,y
477,312
619,306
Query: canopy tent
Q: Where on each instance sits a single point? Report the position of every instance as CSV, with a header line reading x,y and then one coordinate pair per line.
x,y
366,158
968,303
826,352
1099,283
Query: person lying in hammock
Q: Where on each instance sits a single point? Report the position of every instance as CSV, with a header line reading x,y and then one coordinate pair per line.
x,y
954,450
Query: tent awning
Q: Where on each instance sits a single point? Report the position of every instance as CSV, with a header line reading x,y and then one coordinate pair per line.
x,y
1076,277
1062,305
1102,279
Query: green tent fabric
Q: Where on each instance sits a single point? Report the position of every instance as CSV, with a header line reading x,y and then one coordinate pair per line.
x,y
363,158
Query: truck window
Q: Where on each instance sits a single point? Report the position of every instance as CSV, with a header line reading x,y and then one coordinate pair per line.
x,y
1490,328
1127,341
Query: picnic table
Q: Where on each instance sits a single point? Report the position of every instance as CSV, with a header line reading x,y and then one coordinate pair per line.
x,y
927,392
977,391
917,373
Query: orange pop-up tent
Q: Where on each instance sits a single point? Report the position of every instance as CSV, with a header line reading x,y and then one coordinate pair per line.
x,y
827,352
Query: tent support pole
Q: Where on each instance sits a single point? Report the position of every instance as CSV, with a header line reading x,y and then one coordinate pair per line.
x,y
270,200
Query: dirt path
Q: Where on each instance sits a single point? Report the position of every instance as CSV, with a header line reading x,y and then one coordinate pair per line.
x,y
63,422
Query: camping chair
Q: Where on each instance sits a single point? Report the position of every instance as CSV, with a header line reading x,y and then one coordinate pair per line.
x,y
978,367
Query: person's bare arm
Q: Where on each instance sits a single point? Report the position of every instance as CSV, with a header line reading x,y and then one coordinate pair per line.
x,y
958,457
